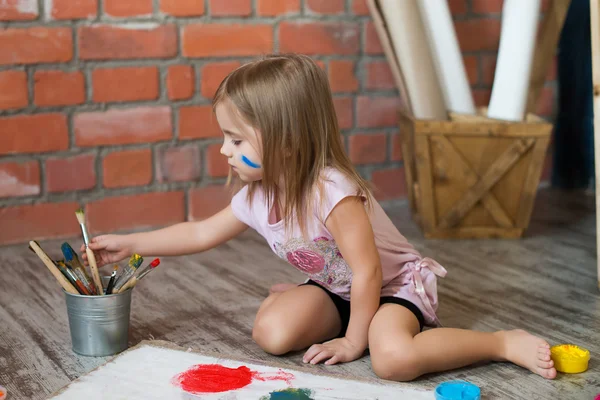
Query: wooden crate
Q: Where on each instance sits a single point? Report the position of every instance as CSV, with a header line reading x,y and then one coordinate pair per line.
x,y
471,176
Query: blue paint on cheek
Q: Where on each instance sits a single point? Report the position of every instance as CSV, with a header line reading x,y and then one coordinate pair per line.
x,y
249,163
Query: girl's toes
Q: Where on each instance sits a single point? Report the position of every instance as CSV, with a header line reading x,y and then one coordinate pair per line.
x,y
544,356
543,372
548,373
545,364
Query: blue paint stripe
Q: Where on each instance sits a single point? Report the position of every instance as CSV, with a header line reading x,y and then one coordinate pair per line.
x,y
249,163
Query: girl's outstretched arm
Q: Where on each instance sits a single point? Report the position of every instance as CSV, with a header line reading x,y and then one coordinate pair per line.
x,y
349,225
178,239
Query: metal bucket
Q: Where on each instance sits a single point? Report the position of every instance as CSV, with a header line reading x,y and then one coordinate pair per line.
x,y
99,324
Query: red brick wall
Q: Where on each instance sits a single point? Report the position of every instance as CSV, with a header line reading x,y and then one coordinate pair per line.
x,y
106,103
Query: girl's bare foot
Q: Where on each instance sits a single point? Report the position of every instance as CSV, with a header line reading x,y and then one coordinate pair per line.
x,y
527,351
281,287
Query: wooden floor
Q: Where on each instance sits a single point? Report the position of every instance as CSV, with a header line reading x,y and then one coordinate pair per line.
x,y
545,283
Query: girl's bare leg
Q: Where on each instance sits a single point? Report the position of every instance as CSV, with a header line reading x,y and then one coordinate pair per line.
x,y
295,319
399,352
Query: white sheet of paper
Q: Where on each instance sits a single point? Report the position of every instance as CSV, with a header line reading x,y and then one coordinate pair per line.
x,y
146,373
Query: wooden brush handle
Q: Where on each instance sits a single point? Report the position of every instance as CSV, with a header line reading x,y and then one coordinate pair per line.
x,y
128,285
50,264
94,267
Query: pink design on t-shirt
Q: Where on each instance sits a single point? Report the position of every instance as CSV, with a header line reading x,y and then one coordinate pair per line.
x,y
306,260
320,259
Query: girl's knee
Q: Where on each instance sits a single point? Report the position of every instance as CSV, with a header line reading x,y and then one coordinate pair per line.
x,y
395,363
269,334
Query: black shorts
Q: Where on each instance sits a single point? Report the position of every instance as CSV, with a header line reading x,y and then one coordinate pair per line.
x,y
343,307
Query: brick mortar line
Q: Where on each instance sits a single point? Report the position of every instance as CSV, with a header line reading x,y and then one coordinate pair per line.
x,y
90,195
153,165
469,4
202,143
157,16
161,76
103,150
198,64
42,10
366,170
159,19
165,62
89,87
197,61
389,147
73,149
174,104
30,87
98,170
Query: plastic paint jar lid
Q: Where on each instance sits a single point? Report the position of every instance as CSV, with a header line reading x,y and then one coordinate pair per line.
x,y
2,393
569,358
457,390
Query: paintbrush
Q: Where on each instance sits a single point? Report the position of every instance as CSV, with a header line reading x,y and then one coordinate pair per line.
x,y
73,262
140,270
66,285
134,263
63,269
111,282
90,254
133,281
73,278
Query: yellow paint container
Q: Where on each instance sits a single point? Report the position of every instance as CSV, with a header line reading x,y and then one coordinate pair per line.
x,y
569,358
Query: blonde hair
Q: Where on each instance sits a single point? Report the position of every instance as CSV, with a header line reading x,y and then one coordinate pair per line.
x,y
287,98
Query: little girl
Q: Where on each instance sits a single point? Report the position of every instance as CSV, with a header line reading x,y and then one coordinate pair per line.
x,y
366,286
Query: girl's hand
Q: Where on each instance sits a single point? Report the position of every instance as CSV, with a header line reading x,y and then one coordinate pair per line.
x,y
333,351
108,249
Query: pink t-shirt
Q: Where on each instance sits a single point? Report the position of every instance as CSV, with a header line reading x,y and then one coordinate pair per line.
x,y
320,259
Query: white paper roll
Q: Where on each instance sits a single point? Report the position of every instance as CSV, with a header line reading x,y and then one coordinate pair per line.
x,y
390,54
515,57
446,55
408,37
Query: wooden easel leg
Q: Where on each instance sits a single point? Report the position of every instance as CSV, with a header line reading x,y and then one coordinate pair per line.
x,y
545,50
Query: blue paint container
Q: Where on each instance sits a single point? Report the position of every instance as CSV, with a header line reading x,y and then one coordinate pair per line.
x,y
457,390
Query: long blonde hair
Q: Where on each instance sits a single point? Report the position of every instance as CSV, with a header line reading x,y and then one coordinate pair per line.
x,y
287,98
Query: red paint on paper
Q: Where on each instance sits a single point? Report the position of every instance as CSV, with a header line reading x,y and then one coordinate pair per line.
x,y
214,378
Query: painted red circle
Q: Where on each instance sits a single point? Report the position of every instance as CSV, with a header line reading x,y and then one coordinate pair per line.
x,y
213,378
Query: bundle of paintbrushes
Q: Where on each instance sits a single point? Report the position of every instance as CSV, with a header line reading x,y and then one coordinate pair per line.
x,y
73,277
69,271
130,275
